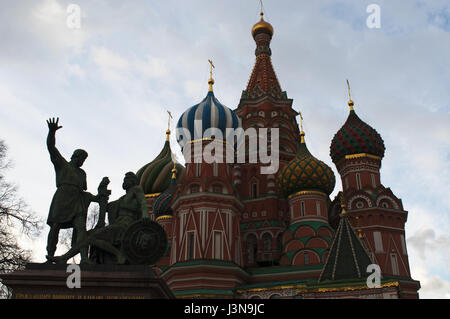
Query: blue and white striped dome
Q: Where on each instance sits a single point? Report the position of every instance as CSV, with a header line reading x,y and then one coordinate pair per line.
x,y
212,114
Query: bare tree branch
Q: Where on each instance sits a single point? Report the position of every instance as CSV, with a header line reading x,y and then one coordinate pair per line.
x,y
15,216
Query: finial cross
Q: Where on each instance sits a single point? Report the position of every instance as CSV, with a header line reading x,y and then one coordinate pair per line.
x,y
170,117
211,68
348,87
301,120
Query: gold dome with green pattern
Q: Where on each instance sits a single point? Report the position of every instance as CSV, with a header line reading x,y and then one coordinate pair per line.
x,y
305,172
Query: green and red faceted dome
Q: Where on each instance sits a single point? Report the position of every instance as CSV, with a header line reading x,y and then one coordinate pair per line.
x,y
356,137
305,172
155,177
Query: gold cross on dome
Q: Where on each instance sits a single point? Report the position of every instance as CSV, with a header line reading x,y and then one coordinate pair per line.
x,y
211,68
301,120
350,102
348,87
170,117
211,80
168,125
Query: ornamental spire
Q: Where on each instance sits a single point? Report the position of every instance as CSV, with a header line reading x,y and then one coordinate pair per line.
x,y
211,80
168,126
302,133
261,13
350,102
263,80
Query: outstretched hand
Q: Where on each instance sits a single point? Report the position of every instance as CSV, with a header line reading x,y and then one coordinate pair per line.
x,y
53,124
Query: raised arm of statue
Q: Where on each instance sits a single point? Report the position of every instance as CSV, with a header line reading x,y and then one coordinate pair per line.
x,y
55,156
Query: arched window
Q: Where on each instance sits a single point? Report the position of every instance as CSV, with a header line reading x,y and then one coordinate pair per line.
x,y
394,264
252,248
217,188
306,258
267,242
198,169
194,188
280,241
358,181
215,169
254,190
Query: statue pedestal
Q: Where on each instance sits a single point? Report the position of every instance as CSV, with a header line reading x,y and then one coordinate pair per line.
x,y
43,281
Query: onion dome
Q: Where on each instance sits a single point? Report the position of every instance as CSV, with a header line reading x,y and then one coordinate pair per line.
x,y
356,137
262,27
155,176
161,205
207,114
305,172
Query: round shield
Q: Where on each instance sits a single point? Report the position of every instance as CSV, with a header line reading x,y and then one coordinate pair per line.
x,y
144,242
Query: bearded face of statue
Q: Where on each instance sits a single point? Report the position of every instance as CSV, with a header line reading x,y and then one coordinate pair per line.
x,y
78,157
129,181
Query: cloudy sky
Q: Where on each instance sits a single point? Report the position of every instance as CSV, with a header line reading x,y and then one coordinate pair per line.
x,y
112,80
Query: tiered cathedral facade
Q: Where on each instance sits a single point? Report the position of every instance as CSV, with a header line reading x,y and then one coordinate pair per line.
x,y
237,233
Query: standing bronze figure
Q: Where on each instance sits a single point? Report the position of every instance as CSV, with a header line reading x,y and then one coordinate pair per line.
x,y
71,201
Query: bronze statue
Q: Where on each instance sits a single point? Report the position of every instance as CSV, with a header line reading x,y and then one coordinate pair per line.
x,y
122,213
70,201
129,237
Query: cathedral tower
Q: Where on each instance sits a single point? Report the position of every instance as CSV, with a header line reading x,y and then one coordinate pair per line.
x,y
264,104
373,210
307,182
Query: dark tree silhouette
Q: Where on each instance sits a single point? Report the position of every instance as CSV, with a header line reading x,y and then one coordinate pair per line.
x,y
15,218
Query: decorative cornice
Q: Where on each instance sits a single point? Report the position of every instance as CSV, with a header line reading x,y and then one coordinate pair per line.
x,y
209,139
346,288
162,217
352,156
307,193
152,195
271,288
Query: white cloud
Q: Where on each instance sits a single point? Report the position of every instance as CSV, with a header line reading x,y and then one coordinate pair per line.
x,y
432,286
152,67
426,243
75,70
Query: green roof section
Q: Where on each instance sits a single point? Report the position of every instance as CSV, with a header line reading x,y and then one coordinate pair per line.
x,y
348,259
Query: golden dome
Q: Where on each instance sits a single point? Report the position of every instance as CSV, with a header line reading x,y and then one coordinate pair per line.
x,y
262,26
